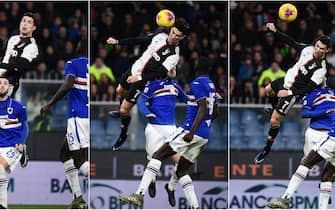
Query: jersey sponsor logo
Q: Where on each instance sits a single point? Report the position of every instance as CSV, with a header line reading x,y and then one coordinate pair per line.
x,y
10,153
166,52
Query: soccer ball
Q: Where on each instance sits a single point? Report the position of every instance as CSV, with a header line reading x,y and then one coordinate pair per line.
x,y
165,18
287,12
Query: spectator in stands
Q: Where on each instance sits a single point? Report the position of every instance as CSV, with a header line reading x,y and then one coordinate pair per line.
x,y
268,75
99,68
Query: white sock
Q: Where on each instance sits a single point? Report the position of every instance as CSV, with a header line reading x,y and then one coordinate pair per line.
x,y
297,178
188,188
149,175
325,191
173,180
84,168
71,173
3,186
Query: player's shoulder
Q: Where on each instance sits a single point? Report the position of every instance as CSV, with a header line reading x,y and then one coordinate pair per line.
x,y
17,103
160,36
14,38
79,60
308,49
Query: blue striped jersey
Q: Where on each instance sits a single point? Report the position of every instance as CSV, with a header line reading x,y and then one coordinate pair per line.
x,y
78,95
201,87
13,123
159,97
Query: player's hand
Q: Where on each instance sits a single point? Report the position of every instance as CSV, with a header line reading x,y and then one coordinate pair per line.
x,y
151,115
188,137
112,41
19,147
133,78
45,110
271,27
282,93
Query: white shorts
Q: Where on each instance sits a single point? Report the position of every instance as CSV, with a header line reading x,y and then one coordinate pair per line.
x,y
189,150
77,133
312,137
326,148
156,136
11,155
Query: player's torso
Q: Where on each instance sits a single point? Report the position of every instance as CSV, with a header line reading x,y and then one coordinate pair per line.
x,y
78,95
18,47
156,54
192,107
321,99
163,102
301,73
11,126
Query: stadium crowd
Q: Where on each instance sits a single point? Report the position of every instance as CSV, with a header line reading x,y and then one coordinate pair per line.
x,y
208,37
59,27
258,57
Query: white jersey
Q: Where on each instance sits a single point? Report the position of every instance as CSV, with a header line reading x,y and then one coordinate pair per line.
x,y
16,47
307,68
158,53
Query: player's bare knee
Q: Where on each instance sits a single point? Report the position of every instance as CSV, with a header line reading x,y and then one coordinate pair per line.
x,y
275,122
121,91
180,173
124,111
269,91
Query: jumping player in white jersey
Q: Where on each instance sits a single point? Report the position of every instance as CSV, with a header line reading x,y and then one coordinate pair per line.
x,y
74,152
158,61
157,103
319,105
13,132
20,52
188,140
306,75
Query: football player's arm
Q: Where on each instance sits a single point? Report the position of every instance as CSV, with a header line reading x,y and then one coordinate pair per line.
x,y
25,129
61,92
289,40
201,114
215,112
181,94
142,106
312,113
131,41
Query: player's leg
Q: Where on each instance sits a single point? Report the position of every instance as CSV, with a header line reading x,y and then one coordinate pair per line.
x,y
122,91
171,185
283,106
127,104
186,182
297,178
326,185
71,173
3,183
73,157
149,174
9,158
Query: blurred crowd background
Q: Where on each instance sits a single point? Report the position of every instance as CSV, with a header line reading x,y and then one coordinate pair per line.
x,y
208,37
258,57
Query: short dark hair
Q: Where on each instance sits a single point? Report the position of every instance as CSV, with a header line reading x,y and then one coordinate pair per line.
x,y
203,65
32,15
324,40
182,26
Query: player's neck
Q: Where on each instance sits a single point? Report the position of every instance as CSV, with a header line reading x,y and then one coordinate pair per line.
x,y
4,98
25,36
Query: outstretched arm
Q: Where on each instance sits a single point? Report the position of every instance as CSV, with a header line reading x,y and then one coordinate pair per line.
x,y
289,40
130,41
